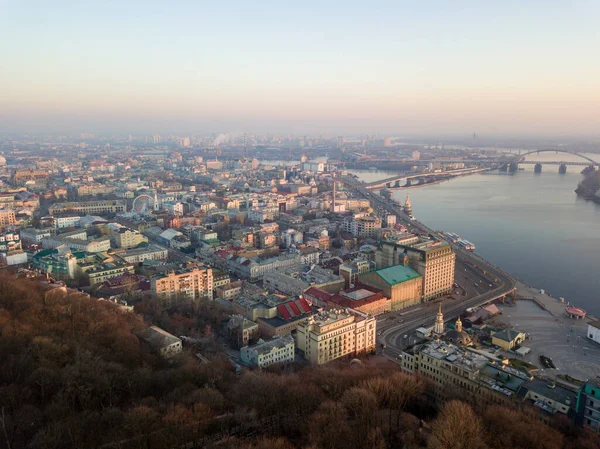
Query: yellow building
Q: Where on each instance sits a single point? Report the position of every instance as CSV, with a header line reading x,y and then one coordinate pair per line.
x,y
193,284
333,334
401,283
507,339
7,218
432,259
127,238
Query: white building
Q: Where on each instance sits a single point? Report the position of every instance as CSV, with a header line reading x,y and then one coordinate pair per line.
x,y
138,255
364,227
275,351
34,235
291,237
594,331
329,335
66,222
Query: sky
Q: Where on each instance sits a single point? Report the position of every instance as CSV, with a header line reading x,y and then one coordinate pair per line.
x,y
437,67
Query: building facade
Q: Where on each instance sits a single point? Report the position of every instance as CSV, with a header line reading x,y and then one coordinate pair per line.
x,y
152,252
363,227
193,284
89,207
7,218
432,259
401,283
333,334
276,351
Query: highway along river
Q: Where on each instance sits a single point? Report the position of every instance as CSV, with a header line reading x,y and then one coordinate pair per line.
x,y
531,225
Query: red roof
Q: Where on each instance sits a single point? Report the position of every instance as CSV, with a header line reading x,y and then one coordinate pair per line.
x,y
283,312
321,295
303,304
294,308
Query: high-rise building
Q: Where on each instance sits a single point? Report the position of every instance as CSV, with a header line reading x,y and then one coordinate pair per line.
x,y
7,218
193,284
434,260
364,227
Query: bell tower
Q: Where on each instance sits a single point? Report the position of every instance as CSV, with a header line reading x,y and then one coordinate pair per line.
x,y
439,322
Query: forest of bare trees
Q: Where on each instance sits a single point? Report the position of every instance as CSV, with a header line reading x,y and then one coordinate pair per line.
x,y
75,375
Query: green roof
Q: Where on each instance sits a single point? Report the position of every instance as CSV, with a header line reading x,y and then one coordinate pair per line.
x,y
397,274
45,252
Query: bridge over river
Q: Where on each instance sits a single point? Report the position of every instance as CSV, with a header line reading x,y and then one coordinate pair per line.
x,y
404,180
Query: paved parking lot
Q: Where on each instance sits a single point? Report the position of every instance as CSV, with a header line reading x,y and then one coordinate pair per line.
x,y
558,337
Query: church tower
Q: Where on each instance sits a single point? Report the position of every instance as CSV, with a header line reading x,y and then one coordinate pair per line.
x,y
439,322
458,325
407,205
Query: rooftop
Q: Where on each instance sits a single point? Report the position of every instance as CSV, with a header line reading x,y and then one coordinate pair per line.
x,y
158,338
397,274
275,343
550,391
507,335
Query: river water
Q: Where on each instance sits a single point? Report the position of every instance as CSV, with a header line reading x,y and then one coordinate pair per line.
x,y
531,225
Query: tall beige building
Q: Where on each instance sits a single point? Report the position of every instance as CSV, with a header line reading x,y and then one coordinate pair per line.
x,y
330,335
7,218
193,284
127,238
432,259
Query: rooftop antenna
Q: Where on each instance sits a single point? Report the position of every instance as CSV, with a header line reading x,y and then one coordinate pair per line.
x,y
245,147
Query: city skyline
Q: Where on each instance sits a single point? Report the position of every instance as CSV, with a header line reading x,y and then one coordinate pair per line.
x,y
411,70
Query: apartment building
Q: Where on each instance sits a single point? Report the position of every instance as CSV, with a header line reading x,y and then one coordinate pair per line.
x,y
127,238
190,284
351,271
333,334
363,227
7,218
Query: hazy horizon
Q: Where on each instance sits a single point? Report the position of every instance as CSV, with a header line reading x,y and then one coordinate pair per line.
x,y
428,69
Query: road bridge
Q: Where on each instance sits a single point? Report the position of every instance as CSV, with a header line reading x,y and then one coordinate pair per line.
x,y
420,178
521,157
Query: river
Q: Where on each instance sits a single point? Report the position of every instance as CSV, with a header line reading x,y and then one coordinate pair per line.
x,y
531,225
